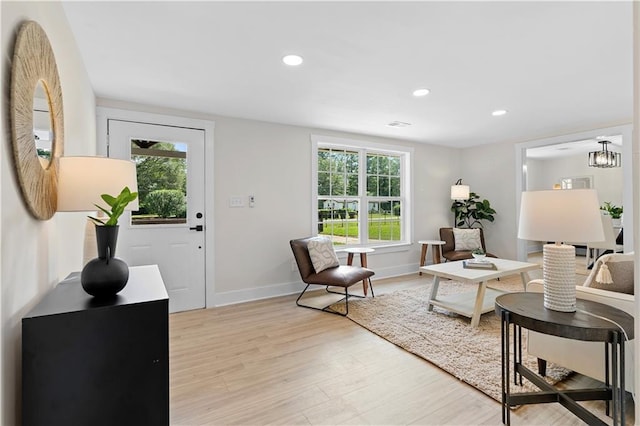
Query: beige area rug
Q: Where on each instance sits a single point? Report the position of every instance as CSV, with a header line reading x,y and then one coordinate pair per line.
x,y
473,355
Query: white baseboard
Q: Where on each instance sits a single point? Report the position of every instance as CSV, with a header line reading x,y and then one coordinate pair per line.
x,y
284,289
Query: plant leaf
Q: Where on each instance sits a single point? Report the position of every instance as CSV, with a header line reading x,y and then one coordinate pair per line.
x,y
109,199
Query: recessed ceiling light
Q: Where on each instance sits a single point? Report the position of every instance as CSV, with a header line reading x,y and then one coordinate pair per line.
x,y
398,124
420,92
499,112
292,60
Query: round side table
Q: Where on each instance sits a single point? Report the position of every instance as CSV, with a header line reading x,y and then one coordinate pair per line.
x,y
591,322
435,251
362,251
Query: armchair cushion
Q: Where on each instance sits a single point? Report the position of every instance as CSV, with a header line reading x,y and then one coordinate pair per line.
x,y
466,239
341,276
621,274
322,254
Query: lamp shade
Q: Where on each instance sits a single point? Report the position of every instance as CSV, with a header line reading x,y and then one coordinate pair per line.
x,y
82,181
561,216
459,192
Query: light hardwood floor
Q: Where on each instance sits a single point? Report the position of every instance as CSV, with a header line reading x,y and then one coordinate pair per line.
x,y
270,362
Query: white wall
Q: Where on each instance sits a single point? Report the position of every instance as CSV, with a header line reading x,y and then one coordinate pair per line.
x,y
36,254
536,175
607,182
627,169
273,162
490,172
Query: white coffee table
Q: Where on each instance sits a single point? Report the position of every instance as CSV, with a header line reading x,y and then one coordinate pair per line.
x,y
473,305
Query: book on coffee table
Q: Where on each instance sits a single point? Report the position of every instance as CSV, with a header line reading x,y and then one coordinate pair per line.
x,y
478,264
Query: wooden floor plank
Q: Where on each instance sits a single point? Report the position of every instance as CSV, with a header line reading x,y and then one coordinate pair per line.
x,y
270,362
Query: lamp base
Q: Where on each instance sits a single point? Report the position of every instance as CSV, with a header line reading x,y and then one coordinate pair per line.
x,y
559,273
104,277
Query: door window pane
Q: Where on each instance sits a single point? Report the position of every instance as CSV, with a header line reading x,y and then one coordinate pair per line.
x,y
162,182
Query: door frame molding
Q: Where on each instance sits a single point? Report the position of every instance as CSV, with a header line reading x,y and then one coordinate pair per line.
x,y
104,114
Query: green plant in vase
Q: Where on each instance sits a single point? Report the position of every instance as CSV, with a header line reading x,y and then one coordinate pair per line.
x,y
106,275
614,211
478,254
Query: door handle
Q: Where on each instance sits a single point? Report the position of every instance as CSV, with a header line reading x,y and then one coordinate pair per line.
x,y
198,228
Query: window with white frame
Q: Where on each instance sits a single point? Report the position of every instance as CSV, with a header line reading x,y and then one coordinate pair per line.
x,y
361,192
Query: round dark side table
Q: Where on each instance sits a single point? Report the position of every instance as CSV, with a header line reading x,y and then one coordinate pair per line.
x,y
592,321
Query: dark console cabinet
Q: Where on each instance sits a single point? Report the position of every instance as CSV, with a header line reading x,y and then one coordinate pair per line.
x,y
91,362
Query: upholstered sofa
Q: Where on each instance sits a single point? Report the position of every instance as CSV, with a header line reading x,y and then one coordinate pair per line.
x,y
588,357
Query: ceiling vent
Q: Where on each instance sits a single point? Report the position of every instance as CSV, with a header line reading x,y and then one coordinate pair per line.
x,y
398,124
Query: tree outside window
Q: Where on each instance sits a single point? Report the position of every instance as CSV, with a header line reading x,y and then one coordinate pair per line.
x,y
162,182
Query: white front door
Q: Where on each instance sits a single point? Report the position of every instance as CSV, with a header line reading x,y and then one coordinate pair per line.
x,y
168,230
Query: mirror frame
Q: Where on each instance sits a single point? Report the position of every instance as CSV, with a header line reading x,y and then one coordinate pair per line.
x,y
34,62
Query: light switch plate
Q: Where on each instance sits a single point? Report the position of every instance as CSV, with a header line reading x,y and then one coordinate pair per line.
x,y
236,202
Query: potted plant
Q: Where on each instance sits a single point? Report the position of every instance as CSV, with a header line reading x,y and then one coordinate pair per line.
x,y
478,254
472,211
107,275
614,211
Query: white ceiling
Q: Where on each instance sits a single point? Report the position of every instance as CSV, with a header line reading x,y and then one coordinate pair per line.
x,y
556,67
568,149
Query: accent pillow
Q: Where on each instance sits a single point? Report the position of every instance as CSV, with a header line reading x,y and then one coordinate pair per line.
x,y
621,275
466,239
322,254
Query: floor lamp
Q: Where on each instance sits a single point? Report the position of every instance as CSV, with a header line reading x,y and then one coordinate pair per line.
x,y
561,216
459,192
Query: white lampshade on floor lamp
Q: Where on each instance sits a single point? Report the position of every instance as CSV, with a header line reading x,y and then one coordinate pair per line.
x,y
459,191
561,216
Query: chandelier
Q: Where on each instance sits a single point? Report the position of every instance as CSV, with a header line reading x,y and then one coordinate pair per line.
x,y
604,158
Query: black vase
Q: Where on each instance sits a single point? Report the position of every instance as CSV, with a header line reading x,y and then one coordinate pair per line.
x,y
106,275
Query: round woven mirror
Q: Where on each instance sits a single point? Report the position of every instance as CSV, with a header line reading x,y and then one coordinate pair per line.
x,y
35,81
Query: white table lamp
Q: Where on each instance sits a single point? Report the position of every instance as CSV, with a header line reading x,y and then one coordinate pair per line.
x,y
560,216
81,182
